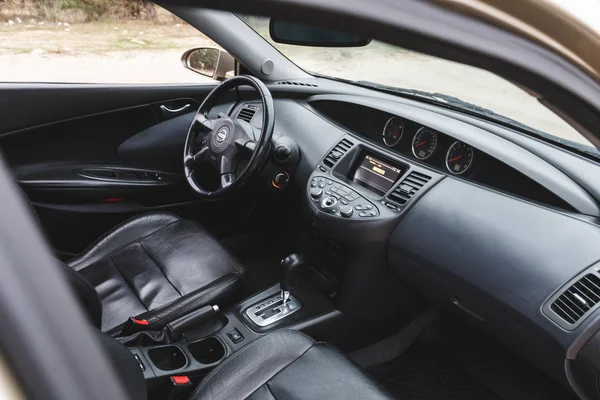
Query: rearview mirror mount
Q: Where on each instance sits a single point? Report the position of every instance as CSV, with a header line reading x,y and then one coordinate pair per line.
x,y
300,34
209,61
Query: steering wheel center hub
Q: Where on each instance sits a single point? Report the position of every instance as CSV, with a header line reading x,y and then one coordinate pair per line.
x,y
223,135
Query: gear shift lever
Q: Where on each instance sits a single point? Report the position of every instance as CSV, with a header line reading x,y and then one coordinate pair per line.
x,y
290,267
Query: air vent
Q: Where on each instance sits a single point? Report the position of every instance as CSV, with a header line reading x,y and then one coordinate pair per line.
x,y
408,187
578,299
246,114
337,152
296,83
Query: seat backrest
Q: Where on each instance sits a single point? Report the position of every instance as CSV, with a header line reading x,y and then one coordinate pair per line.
x,y
86,294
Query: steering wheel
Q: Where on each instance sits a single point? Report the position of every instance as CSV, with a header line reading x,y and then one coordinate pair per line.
x,y
223,139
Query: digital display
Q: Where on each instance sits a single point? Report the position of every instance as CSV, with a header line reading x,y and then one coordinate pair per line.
x,y
375,174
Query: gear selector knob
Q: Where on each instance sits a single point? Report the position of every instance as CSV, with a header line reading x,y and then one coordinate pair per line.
x,y
290,267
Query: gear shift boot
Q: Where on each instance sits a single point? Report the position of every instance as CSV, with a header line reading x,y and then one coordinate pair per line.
x,y
272,309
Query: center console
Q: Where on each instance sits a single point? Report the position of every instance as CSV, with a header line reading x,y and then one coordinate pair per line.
x,y
188,348
357,192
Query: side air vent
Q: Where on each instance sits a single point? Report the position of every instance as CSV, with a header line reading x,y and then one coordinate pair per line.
x,y
578,299
246,114
296,83
337,152
408,187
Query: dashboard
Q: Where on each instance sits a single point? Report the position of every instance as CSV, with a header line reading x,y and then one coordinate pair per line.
x,y
435,149
481,221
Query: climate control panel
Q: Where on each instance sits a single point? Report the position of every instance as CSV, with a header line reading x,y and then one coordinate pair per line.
x,y
339,200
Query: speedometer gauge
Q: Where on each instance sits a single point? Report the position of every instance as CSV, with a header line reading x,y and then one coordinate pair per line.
x,y
424,143
459,158
392,131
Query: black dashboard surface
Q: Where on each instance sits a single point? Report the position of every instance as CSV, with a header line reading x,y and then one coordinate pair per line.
x,y
502,238
371,124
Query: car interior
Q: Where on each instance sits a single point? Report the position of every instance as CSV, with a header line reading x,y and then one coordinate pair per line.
x,y
281,235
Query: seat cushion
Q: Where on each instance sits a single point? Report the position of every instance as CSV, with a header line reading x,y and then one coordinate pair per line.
x,y
157,267
287,364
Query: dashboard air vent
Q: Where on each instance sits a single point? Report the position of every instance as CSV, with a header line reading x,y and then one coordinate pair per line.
x,y
408,187
296,83
337,152
246,114
577,299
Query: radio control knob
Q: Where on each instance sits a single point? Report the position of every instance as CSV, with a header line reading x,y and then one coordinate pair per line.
x,y
346,211
316,193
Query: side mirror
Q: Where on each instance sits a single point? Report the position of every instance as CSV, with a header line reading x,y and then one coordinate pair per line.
x,y
209,61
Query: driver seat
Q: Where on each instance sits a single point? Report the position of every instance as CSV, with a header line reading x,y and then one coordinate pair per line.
x,y
154,267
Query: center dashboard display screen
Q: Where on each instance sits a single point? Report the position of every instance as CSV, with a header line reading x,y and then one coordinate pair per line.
x,y
376,174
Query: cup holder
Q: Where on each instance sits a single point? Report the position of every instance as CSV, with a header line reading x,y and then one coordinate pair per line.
x,y
207,351
167,358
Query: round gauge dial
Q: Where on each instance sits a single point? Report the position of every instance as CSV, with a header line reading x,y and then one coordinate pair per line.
x,y
424,143
392,131
459,158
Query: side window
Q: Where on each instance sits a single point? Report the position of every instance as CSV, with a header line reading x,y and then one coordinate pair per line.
x,y
95,41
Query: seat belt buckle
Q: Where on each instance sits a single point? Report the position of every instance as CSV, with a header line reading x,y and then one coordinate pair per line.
x,y
134,325
181,387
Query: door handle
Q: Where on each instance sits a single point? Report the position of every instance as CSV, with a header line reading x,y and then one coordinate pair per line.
x,y
166,110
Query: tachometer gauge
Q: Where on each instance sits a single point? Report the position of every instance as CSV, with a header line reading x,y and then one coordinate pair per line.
x,y
424,143
392,131
459,158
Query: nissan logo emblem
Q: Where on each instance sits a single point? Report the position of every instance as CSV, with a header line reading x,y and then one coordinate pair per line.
x,y
221,135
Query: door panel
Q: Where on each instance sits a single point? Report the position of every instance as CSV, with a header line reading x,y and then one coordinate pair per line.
x,y
90,156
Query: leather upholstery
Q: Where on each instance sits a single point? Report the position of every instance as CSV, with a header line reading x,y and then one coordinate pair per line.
x,y
157,267
287,364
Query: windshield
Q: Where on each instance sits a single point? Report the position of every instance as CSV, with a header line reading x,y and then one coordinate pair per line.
x,y
451,82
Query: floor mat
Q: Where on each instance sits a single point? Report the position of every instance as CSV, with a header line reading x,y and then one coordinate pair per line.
x,y
450,360
423,374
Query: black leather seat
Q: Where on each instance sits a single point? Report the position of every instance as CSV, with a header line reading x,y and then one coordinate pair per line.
x,y
155,267
289,365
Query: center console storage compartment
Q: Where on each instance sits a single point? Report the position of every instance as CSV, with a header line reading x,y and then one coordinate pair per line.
x,y
207,351
167,358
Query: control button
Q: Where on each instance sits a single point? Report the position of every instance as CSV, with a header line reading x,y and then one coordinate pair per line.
x,y
360,207
235,336
282,153
371,213
139,360
391,206
334,210
362,214
315,193
329,202
322,168
314,182
321,182
334,189
336,186
344,201
328,193
349,198
329,182
337,196
346,211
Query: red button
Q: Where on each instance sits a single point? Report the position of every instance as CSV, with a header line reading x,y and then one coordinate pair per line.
x,y
181,380
140,321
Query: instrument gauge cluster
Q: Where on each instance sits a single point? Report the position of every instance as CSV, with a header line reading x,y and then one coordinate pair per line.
x,y
428,146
